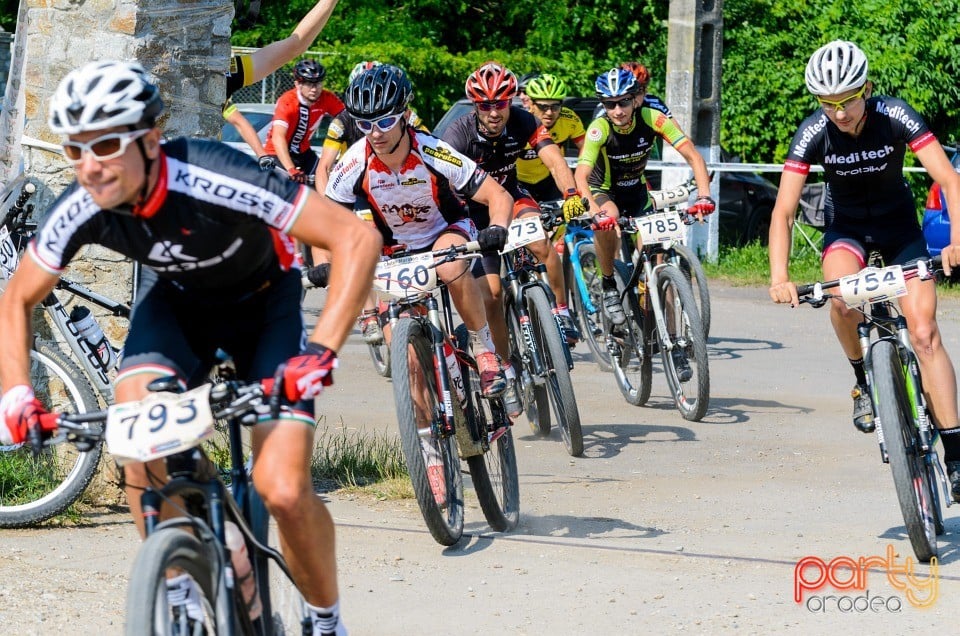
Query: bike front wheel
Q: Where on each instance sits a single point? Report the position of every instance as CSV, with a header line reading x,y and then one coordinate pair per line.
x,y
591,323
536,402
684,332
432,459
915,491
34,487
148,608
562,398
686,259
632,364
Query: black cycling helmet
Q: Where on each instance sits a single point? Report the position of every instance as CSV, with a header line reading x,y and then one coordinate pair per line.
x,y
378,92
526,79
309,71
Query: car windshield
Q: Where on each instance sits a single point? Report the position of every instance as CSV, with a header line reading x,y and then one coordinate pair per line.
x,y
257,120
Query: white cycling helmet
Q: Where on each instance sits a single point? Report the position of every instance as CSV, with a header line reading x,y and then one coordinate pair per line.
x,y
103,95
836,68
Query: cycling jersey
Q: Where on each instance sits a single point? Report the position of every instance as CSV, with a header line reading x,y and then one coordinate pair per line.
x,y
300,119
618,158
864,174
530,168
497,156
214,226
416,205
343,132
240,73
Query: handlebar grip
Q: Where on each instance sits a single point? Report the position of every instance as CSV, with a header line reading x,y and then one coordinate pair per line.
x,y
804,290
471,246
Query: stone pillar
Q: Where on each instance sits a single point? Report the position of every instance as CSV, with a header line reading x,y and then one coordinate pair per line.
x,y
185,45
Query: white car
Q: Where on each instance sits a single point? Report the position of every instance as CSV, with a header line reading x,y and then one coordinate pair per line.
x,y
259,116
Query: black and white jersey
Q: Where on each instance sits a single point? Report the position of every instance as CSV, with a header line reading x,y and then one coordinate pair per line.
x,y
214,225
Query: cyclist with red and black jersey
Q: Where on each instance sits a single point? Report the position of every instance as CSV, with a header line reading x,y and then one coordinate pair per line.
x,y
295,119
611,168
211,230
410,180
861,139
495,135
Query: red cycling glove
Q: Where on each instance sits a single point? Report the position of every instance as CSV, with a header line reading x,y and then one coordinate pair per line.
x,y
20,410
297,175
603,223
703,205
305,375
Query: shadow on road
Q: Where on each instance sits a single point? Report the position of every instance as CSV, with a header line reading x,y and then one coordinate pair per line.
x,y
609,440
730,348
948,543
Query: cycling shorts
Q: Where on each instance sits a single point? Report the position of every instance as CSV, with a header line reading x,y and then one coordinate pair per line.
x,y
489,264
171,331
898,240
629,204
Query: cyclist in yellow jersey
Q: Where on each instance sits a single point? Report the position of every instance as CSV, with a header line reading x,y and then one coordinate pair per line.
x,y
546,94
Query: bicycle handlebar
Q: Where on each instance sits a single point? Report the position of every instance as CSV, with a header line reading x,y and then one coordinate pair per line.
x,y
927,265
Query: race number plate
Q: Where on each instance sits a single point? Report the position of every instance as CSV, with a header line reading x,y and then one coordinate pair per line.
x,y
9,257
660,228
524,231
159,425
872,285
404,276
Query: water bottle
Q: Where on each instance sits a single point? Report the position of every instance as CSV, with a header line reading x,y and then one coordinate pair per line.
x,y
89,330
453,369
242,571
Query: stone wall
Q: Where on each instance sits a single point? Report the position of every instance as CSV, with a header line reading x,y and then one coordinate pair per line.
x,y
184,44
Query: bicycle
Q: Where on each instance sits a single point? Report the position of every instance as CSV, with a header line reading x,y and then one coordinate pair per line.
x,y
59,475
441,411
667,321
173,426
905,432
538,343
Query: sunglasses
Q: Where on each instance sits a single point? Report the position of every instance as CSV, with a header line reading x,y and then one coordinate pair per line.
x,y
551,107
622,103
842,104
384,124
500,104
102,148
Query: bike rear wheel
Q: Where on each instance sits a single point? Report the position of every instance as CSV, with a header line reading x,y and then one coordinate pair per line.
x,y
915,491
683,329
536,402
380,354
34,488
632,364
420,416
148,610
591,324
562,398
687,260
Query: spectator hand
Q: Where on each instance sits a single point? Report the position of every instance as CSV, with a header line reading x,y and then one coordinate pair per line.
x,y
267,163
492,238
20,410
573,207
297,175
305,375
603,223
319,275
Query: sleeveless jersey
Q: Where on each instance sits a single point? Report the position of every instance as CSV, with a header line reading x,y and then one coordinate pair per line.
x,y
530,169
413,206
864,174
301,120
214,225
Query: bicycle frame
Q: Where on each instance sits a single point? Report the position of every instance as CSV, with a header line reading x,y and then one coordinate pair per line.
x,y
573,238
641,259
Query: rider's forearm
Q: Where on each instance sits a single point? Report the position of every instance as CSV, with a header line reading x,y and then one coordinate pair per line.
x,y
779,248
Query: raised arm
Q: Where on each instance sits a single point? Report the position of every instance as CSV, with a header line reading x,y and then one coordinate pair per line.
x,y
274,55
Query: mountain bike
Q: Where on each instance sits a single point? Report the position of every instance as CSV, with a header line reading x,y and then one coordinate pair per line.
x,y
905,431
538,343
36,487
173,426
441,411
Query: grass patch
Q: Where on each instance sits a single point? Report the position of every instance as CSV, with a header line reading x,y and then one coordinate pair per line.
x,y
356,458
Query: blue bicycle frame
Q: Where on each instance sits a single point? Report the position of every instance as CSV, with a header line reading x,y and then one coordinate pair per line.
x,y
573,238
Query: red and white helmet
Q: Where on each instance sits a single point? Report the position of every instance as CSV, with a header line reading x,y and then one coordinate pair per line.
x,y
491,83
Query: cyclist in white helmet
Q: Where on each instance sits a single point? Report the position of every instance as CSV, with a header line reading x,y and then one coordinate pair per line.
x,y
860,139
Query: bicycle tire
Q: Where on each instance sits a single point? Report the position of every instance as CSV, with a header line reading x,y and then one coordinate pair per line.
x,y
380,355
34,488
633,366
284,609
562,397
147,610
689,263
445,522
591,325
910,477
683,326
536,402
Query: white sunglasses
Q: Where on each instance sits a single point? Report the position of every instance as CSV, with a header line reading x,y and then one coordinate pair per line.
x,y
102,148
